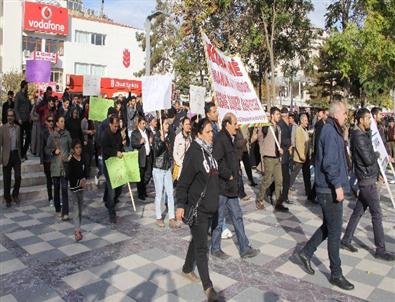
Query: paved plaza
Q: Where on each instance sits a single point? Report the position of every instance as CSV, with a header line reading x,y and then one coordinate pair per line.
x,y
136,261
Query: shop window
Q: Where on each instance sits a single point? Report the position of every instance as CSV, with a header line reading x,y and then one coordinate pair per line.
x,y
31,43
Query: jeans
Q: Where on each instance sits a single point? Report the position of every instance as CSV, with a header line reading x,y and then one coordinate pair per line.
x,y
331,228
368,197
77,199
233,206
13,163
61,183
197,250
163,179
110,195
47,172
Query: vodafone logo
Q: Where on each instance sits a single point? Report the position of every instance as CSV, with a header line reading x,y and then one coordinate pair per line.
x,y
45,18
46,13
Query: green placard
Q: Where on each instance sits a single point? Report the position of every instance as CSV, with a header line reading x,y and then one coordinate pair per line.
x,y
123,170
98,108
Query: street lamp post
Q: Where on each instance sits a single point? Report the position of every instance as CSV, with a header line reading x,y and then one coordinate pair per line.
x,y
147,26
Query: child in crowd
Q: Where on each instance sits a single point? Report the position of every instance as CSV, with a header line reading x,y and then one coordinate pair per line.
x,y
77,178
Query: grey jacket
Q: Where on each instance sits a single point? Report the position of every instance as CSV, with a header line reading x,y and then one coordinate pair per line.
x,y
59,140
5,143
22,107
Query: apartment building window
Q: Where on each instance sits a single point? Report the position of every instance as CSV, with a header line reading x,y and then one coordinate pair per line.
x,y
56,76
98,39
90,38
89,69
82,37
31,43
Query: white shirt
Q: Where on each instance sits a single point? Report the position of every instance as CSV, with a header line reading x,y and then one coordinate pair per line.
x,y
146,144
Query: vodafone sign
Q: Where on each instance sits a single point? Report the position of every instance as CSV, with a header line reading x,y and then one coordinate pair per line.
x,y
46,18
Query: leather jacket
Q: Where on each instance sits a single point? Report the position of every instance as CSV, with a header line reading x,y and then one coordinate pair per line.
x,y
162,152
364,158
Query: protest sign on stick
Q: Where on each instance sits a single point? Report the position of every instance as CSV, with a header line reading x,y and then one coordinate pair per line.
x,y
156,92
98,108
197,95
38,71
232,87
91,85
124,171
383,160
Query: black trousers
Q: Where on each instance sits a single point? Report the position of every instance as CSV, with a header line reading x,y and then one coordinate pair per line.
x,y
26,130
305,167
88,151
247,165
47,172
198,249
13,163
368,197
286,181
141,186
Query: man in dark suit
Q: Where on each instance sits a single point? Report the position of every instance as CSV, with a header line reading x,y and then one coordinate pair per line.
x,y
141,140
7,105
10,151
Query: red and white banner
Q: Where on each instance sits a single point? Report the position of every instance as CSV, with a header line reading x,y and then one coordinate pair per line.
x,y
232,86
45,56
46,18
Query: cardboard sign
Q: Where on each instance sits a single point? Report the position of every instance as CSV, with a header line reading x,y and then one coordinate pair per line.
x,y
157,92
197,95
91,85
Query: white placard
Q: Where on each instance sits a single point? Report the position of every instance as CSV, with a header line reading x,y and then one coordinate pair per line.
x,y
156,92
378,145
233,89
197,95
91,85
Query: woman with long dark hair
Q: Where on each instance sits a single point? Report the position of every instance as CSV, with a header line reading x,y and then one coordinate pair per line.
x,y
198,187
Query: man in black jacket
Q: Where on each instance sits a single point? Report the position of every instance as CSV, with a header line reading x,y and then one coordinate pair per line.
x,y
225,153
366,170
9,104
286,135
141,140
112,145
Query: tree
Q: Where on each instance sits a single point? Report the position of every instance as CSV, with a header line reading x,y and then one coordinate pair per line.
x,y
341,12
10,81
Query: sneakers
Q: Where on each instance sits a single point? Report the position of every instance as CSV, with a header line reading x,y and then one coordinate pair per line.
x,y
226,234
65,217
160,223
251,253
211,294
220,254
386,256
348,246
342,283
51,203
96,180
191,277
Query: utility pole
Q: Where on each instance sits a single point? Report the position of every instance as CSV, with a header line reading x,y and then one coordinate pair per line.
x,y
102,8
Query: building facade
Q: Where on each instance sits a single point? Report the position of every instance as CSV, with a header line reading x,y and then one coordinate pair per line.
x,y
76,41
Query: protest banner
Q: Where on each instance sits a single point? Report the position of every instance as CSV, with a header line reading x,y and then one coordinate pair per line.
x,y
156,92
378,146
232,87
197,95
124,171
38,71
98,108
91,85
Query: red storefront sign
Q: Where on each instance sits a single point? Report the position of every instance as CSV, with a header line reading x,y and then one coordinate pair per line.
x,y
46,18
108,86
46,56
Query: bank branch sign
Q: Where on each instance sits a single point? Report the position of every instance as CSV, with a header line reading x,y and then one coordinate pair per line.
x,y
46,18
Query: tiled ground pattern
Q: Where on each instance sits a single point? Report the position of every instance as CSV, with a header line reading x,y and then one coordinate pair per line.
x,y
136,261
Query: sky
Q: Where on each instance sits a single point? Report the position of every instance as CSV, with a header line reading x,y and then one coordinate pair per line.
x,y
134,12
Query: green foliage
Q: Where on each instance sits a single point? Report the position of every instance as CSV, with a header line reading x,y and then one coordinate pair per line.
x,y
10,81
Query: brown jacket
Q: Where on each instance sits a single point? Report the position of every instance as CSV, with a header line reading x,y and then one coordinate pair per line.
x,y
302,142
5,143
